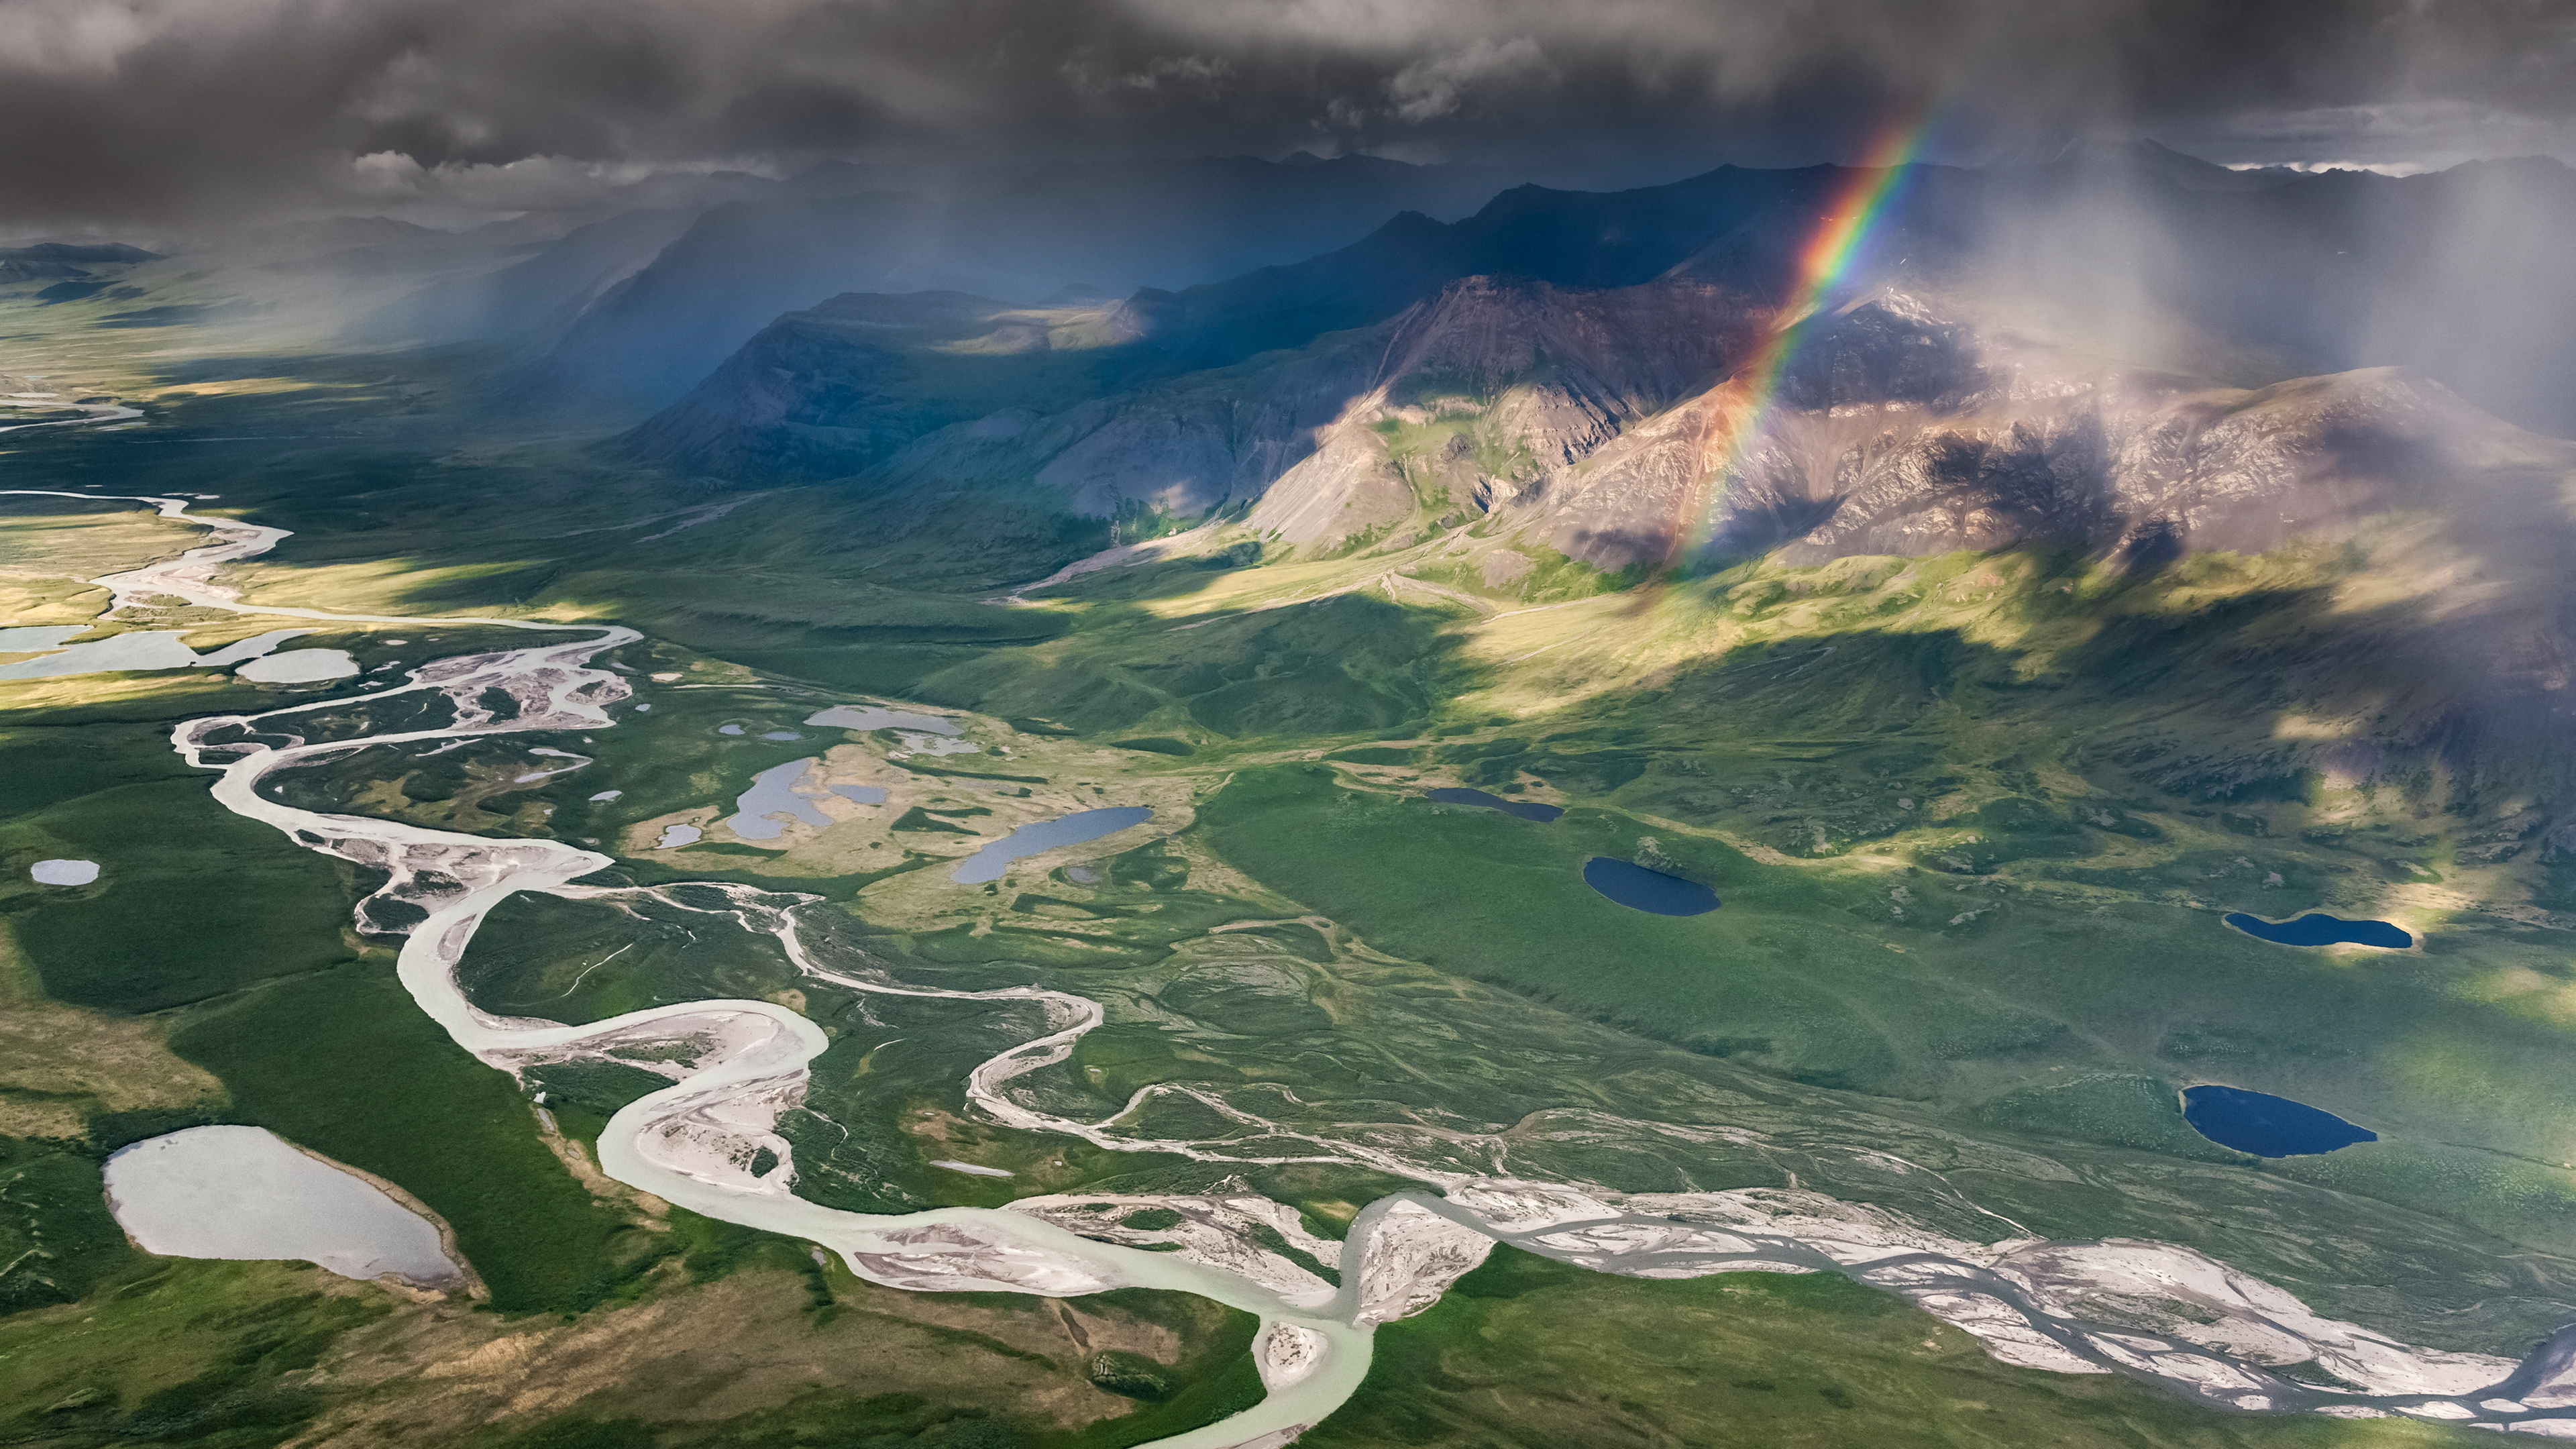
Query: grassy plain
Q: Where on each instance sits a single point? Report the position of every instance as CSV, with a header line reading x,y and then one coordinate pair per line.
x,y
751,1344
62,1065
1851,976
191,901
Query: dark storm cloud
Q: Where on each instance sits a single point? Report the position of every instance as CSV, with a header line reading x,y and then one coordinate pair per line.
x,y
141,108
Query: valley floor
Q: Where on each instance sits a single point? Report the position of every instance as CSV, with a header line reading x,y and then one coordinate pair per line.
x,y
1969,950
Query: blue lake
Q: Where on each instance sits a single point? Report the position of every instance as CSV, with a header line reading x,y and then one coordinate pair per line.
x,y
989,863
1648,890
2319,929
1525,809
2265,1125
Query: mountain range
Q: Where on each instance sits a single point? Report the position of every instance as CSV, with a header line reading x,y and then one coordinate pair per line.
x,y
1999,369
639,307
2094,363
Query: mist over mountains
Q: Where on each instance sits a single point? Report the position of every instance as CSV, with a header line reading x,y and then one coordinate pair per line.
x,y
1102,230
1185,338
817,328
2138,275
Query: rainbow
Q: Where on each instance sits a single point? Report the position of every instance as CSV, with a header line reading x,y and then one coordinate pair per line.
x,y
1743,401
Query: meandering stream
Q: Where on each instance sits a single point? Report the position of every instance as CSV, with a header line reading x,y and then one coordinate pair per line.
x,y
693,1143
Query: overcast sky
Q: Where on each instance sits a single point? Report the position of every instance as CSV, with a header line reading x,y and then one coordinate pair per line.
x,y
159,110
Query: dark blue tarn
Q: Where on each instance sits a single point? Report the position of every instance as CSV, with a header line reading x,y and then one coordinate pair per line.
x,y
1648,890
2318,929
2265,1125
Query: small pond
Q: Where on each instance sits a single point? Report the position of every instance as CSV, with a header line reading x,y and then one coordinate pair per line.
x,y
241,1192
63,872
675,836
2265,1125
2319,929
988,863
862,794
1641,889
1525,809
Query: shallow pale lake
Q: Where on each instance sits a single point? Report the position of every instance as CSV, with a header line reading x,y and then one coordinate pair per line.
x,y
26,637
2265,1125
988,863
1641,889
773,791
871,717
136,649
241,1192
300,666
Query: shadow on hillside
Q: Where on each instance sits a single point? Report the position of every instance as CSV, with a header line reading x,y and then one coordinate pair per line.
x,y
2214,679
1348,664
